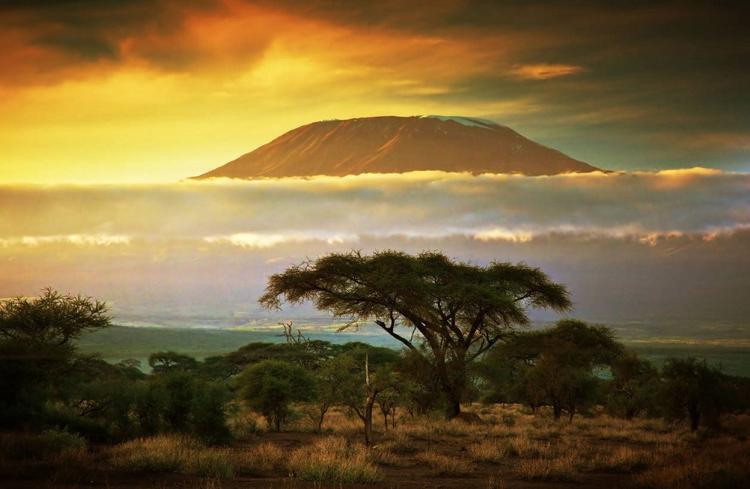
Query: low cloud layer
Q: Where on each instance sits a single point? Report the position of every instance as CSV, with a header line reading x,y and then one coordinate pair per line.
x,y
265,213
637,247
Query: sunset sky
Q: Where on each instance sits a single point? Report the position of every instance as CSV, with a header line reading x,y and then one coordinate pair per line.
x,y
144,91
106,107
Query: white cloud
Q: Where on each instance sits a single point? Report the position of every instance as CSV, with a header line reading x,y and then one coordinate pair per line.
x,y
268,213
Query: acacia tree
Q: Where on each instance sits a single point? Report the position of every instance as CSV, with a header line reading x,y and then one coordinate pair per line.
x,y
458,310
556,366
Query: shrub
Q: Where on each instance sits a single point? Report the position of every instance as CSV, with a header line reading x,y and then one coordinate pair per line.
x,y
25,446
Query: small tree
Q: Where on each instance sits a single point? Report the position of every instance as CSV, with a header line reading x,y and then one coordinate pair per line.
x,y
458,310
328,390
693,389
361,387
634,386
271,386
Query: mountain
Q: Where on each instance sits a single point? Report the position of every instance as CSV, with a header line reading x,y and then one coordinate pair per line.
x,y
399,144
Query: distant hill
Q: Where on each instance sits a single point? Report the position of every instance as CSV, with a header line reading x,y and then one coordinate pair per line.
x,y
396,145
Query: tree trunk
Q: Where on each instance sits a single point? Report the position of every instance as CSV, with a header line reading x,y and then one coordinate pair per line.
x,y
454,393
695,417
557,410
385,420
453,409
323,411
572,413
368,419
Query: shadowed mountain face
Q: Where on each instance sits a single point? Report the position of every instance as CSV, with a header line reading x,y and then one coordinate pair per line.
x,y
397,145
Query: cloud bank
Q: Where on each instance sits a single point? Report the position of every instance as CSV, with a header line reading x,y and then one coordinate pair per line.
x,y
636,247
266,213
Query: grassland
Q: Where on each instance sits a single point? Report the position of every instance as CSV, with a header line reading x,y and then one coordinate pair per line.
x,y
510,448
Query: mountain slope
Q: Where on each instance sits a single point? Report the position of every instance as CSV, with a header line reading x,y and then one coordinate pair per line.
x,y
396,145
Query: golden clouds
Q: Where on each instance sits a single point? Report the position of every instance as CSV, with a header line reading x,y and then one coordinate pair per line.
x,y
165,100
137,90
544,71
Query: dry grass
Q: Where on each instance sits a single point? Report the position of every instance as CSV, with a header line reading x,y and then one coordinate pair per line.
x,y
492,451
264,459
155,454
719,463
617,460
444,465
645,453
333,459
171,454
244,423
548,469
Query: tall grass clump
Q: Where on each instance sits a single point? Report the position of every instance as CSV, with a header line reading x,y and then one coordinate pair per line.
x,y
444,465
333,459
559,469
492,451
264,459
163,453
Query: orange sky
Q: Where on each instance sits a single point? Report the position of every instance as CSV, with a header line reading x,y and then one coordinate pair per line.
x,y
157,91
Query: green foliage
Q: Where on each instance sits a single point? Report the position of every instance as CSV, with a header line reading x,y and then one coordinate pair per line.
x,y
458,310
272,385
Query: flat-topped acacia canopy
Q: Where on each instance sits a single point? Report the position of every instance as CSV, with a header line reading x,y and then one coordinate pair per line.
x,y
459,310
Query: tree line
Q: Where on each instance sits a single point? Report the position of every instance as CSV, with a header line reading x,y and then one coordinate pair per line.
x,y
458,324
